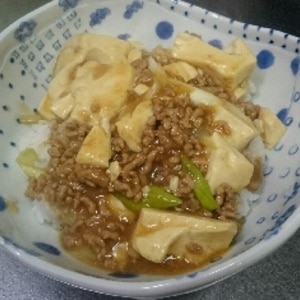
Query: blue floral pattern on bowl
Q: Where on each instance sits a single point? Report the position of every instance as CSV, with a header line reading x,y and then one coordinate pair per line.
x,y
99,15
26,72
25,30
68,4
132,8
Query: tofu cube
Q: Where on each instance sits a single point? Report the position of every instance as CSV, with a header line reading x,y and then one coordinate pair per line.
x,y
181,69
230,68
95,149
242,129
226,164
160,233
273,129
131,126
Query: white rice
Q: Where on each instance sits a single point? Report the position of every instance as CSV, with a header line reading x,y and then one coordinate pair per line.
x,y
246,198
256,148
36,138
246,201
43,214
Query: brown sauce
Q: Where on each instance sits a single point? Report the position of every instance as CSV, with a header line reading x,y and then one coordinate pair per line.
x,y
90,230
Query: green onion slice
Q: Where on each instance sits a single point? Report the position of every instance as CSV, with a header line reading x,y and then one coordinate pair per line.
x,y
201,188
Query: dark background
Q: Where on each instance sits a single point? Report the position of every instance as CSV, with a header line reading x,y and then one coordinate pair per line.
x,y
283,15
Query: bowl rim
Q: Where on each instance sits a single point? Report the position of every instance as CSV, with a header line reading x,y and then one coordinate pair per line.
x,y
159,288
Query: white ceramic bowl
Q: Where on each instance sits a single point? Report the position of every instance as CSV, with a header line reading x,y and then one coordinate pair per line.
x,y
29,47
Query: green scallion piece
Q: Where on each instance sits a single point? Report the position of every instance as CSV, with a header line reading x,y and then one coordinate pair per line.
x,y
158,197
129,203
27,161
201,188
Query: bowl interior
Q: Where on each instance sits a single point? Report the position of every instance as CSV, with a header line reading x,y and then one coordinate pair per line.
x,y
30,46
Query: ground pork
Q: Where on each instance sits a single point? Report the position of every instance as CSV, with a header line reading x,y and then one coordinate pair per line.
x,y
78,191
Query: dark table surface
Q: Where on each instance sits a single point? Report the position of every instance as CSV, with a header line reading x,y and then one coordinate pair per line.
x,y
275,277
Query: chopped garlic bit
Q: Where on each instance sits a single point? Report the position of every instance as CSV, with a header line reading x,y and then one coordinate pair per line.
x,y
114,170
141,89
120,253
239,93
145,191
134,55
174,182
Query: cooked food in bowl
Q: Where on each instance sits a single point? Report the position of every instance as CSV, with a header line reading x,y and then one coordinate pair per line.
x,y
149,151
